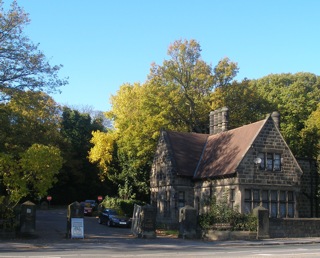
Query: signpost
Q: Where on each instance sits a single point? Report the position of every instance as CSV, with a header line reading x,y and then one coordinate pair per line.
x,y
49,198
77,228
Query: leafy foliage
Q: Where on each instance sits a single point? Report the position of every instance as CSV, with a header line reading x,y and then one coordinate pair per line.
x,y
22,65
29,117
310,134
28,148
244,103
185,83
31,174
102,150
78,178
295,97
176,96
220,212
123,206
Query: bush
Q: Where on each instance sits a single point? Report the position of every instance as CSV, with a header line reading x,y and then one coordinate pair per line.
x,y
222,213
8,219
123,206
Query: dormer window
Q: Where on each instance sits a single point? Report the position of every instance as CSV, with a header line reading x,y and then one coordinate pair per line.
x,y
270,161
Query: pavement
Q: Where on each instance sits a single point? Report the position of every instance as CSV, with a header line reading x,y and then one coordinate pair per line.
x,y
158,242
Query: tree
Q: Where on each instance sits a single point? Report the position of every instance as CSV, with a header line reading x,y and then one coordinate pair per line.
x,y
136,122
96,116
22,65
225,71
176,96
295,97
28,118
31,174
29,157
102,150
40,165
186,82
29,154
78,178
244,102
310,134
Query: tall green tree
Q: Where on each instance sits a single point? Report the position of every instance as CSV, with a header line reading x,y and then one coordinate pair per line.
x,y
28,118
31,174
30,157
22,65
310,135
186,81
78,179
295,96
29,132
244,102
137,122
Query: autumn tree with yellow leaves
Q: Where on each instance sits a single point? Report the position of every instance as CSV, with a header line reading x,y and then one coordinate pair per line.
x,y
176,96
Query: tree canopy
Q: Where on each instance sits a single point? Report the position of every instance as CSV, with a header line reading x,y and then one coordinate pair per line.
x,y
179,95
176,96
295,97
78,178
29,145
22,65
30,157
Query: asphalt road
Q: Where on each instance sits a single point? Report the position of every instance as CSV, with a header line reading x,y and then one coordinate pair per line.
x,y
50,240
51,227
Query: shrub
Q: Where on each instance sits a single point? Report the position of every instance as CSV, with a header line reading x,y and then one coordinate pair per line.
x,y
222,213
123,206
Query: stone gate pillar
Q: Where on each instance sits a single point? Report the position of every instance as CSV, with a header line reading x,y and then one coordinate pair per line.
x,y
262,215
187,222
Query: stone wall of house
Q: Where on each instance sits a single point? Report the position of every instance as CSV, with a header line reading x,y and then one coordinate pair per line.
x,y
307,201
252,177
269,141
204,191
166,187
296,227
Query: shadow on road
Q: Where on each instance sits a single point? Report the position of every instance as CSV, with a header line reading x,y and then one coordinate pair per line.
x,y
51,226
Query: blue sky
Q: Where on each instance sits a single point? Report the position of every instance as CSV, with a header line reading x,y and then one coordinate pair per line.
x,y
103,44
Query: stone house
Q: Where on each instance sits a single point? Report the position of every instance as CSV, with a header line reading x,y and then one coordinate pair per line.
x,y
250,166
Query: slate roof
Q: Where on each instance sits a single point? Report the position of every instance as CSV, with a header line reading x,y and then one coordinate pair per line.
x,y
210,156
187,149
224,151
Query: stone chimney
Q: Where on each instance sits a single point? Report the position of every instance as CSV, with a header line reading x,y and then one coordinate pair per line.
x,y
276,118
224,119
211,122
219,120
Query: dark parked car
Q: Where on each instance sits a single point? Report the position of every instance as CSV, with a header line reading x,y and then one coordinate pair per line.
x,y
113,219
89,207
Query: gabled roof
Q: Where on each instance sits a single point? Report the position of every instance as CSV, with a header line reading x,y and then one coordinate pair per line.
x,y
224,151
208,156
187,149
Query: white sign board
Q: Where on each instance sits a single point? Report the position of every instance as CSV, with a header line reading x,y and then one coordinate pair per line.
x,y
77,228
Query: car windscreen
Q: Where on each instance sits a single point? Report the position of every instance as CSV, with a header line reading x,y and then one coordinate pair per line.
x,y
113,212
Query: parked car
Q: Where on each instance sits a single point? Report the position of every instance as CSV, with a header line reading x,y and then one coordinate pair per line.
x,y
112,218
89,207
92,203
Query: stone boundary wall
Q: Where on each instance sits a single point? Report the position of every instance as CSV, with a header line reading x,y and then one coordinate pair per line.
x,y
295,227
